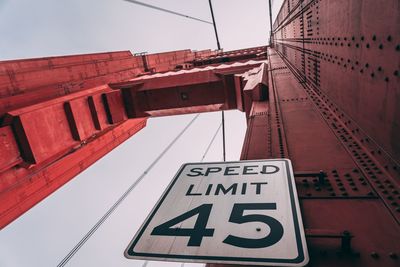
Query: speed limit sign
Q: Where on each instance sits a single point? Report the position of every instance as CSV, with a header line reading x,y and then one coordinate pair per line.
x,y
244,212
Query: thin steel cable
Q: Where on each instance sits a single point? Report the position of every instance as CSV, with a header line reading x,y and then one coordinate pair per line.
x,y
211,142
222,112
270,3
223,135
122,198
166,10
214,24
202,158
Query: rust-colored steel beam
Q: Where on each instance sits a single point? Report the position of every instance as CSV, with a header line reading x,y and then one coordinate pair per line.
x,y
58,115
188,91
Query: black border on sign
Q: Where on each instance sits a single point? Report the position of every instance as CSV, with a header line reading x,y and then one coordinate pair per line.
x,y
130,253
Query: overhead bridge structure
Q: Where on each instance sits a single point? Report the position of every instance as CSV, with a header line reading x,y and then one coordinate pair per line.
x,y
325,93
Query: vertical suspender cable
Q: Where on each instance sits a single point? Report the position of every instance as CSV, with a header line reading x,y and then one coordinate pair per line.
x,y
223,134
215,26
211,142
219,48
122,198
270,21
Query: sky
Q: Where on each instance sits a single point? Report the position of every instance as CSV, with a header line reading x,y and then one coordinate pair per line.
x,y
44,235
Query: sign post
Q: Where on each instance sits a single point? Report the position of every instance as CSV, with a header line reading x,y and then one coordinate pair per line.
x,y
244,212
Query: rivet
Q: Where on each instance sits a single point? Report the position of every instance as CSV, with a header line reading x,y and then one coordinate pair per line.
x,y
374,255
386,79
357,45
374,37
258,229
372,74
389,38
367,45
396,73
398,47
367,65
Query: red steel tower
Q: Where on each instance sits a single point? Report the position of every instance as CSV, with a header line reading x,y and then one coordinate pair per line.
x,y
325,94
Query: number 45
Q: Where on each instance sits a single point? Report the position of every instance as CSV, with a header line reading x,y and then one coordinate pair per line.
x,y
200,229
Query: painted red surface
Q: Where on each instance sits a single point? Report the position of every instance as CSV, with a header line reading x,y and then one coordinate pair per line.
x,y
58,115
327,99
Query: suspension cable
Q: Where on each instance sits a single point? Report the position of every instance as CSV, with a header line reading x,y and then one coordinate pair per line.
x,y
167,11
202,158
211,142
270,21
214,24
223,135
222,112
122,198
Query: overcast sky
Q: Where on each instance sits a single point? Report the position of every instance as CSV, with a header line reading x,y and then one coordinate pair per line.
x,y
46,233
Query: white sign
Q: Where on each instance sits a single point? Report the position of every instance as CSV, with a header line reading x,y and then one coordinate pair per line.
x,y
243,212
